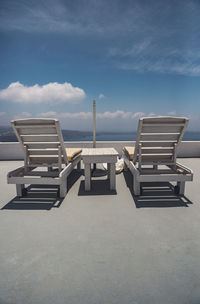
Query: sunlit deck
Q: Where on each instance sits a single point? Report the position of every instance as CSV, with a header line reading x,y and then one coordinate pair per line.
x,y
101,246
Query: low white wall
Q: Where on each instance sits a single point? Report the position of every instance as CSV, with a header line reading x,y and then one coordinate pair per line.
x,y
13,150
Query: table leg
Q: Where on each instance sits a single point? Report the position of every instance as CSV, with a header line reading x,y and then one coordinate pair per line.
x,y
112,176
108,169
87,177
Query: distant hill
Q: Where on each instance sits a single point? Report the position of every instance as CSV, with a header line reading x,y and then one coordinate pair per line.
x,y
7,134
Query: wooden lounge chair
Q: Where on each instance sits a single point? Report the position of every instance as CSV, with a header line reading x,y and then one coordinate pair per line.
x,y
153,159
42,142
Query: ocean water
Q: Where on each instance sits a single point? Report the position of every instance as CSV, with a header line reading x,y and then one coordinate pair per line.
x,y
128,136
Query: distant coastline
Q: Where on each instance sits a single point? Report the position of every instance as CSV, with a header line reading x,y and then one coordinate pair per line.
x,y
7,135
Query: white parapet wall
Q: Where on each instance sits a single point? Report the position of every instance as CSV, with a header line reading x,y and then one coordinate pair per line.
x,y
13,150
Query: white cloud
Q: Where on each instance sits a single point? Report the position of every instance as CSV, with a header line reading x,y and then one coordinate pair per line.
x,y
51,93
89,115
172,113
23,115
138,114
47,114
116,114
79,115
108,121
101,96
151,114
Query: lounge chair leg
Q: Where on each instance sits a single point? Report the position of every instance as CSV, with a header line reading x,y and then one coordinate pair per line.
x,y
63,189
20,189
181,186
79,166
125,166
136,186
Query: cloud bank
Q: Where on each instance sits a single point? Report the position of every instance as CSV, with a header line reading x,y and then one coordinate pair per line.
x,y
51,93
88,115
106,121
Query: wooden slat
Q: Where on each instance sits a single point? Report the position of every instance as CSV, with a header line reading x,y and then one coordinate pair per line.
x,y
40,138
161,128
41,130
158,156
163,120
160,143
44,158
159,150
48,152
32,145
36,126
158,136
163,124
164,161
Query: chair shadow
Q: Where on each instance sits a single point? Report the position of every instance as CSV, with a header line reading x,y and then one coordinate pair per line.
x,y
98,187
73,177
41,197
156,194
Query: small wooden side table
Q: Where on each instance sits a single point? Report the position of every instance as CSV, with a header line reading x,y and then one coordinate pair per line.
x,y
99,155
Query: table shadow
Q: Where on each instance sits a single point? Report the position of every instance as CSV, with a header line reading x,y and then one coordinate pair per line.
x,y
98,187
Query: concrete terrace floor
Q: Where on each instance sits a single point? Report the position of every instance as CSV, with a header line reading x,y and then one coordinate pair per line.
x,y
100,247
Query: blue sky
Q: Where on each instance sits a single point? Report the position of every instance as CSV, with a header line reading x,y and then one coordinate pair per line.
x,y
136,58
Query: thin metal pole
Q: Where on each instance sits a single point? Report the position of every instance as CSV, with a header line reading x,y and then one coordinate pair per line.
x,y
94,124
94,129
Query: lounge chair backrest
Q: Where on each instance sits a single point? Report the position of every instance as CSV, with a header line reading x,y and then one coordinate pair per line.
x,y
157,140
42,141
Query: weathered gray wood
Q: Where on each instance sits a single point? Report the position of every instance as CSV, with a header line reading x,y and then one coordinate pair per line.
x,y
99,155
108,170
163,128
136,186
49,151
156,144
43,145
159,136
79,166
59,159
101,159
159,144
181,186
19,188
63,189
40,138
34,130
87,177
112,176
36,180
157,150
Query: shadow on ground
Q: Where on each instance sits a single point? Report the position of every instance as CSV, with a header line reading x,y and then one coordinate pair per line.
x,y
41,197
156,195
98,187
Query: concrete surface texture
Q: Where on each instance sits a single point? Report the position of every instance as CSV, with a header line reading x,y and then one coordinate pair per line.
x,y
100,247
